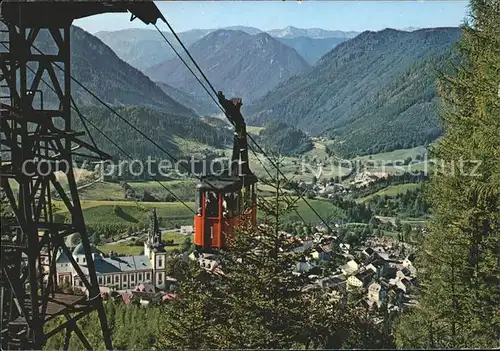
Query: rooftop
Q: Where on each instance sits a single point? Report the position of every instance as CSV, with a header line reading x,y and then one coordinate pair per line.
x,y
78,250
106,265
225,183
365,274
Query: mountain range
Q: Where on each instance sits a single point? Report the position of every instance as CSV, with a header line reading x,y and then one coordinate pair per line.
x,y
375,92
144,48
146,105
313,33
100,70
240,64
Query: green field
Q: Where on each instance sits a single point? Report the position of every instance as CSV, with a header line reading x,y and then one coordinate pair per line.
x,y
124,248
136,215
131,213
189,146
324,208
396,155
392,191
102,191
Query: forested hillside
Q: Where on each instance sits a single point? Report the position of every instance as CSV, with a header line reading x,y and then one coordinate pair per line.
x,y
238,63
202,105
400,116
373,93
98,68
163,128
281,138
312,49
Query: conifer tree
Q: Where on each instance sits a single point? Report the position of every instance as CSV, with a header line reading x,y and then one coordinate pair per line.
x,y
258,301
459,260
189,320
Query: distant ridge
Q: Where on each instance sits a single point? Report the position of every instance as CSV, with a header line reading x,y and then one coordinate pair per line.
x,y
144,48
373,93
241,64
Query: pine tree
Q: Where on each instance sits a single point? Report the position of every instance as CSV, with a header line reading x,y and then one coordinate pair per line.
x,y
188,322
459,261
258,301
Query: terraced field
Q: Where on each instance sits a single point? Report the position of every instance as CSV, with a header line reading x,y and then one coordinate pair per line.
x,y
392,190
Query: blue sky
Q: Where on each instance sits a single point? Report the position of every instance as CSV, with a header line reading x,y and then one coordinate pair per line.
x,y
266,15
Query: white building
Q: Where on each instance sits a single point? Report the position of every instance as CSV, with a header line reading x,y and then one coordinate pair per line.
x,y
119,272
187,229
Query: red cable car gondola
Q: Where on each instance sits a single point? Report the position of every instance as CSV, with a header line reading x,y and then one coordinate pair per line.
x,y
227,201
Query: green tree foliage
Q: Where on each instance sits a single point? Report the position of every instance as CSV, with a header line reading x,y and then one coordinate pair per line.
x,y
162,127
459,259
189,321
284,139
187,245
132,327
410,203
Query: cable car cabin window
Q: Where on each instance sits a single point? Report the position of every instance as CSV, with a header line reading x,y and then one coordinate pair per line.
x,y
197,203
211,204
229,205
247,195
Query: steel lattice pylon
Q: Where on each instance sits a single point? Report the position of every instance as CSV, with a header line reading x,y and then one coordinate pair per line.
x,y
36,142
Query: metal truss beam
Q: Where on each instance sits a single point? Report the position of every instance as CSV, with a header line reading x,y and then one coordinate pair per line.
x,y
38,141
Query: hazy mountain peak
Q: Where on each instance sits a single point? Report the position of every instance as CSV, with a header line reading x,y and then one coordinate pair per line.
x,y
113,80
315,33
241,64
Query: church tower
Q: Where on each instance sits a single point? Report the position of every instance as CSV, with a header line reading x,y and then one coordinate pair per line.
x,y
154,234
154,248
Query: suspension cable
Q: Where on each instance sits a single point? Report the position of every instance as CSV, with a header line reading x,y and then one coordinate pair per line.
x,y
208,92
127,122
249,136
84,119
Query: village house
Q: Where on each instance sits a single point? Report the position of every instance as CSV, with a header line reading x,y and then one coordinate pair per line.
x,y
187,229
368,251
338,282
361,279
304,265
350,267
376,292
345,247
321,252
408,261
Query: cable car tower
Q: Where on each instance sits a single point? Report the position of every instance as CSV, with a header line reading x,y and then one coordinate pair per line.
x,y
224,202
37,140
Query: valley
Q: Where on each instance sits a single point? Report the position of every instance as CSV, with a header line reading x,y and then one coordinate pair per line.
x,y
267,186
116,211
313,100
370,93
